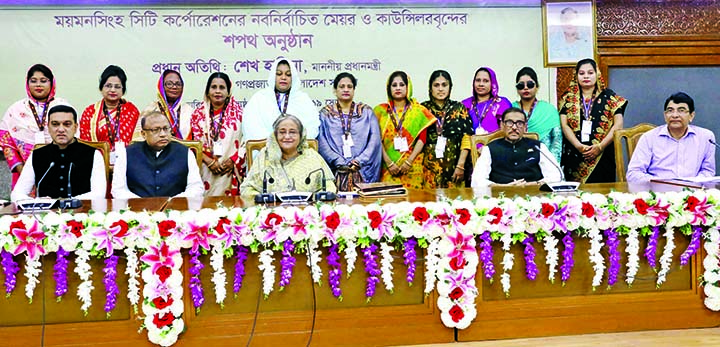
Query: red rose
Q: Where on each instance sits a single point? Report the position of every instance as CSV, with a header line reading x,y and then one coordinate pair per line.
x,y
163,321
75,227
375,219
464,215
123,228
456,293
332,221
457,263
163,273
547,210
443,219
641,206
588,210
165,227
273,219
219,227
691,203
497,213
456,313
161,303
18,224
421,214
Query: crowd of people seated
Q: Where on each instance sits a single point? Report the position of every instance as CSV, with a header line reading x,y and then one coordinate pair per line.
x,y
49,149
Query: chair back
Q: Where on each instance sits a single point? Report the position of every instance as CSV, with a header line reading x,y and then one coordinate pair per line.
x,y
256,145
627,138
484,139
196,147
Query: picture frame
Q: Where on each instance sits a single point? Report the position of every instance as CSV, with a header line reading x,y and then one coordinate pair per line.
x,y
569,32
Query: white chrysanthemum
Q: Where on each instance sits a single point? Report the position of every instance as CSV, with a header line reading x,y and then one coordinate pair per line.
x,y
386,265
712,304
32,271
551,259
314,256
219,276
350,256
632,249
596,257
268,270
168,335
666,258
84,271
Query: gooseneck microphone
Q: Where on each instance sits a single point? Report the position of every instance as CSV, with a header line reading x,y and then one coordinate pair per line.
x,y
70,202
323,194
561,186
265,197
37,186
714,143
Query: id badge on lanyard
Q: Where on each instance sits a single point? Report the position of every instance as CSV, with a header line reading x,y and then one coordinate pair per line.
x,y
347,146
113,153
440,147
218,149
401,144
585,131
40,138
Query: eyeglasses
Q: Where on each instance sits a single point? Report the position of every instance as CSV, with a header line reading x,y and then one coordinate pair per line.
x,y
158,130
508,123
173,84
113,86
291,133
680,111
521,85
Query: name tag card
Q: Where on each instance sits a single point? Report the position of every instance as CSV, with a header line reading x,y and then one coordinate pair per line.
x,y
40,138
440,147
218,149
401,144
585,131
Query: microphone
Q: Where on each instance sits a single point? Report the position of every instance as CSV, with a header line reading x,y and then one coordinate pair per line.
x,y
265,197
37,186
70,202
714,143
561,186
323,194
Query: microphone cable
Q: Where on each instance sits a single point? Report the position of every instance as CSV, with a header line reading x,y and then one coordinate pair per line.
x,y
257,308
314,296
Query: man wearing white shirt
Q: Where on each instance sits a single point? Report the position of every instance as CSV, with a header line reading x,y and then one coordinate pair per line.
x,y
64,169
157,167
515,159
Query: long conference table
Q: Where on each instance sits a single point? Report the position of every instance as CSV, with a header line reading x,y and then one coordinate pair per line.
x,y
304,311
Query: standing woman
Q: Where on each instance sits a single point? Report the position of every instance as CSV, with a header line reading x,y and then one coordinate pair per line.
x,y
589,115
486,105
448,142
403,127
25,122
169,94
349,139
217,124
542,118
111,119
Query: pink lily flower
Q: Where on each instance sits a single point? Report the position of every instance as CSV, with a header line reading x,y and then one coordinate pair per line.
x,y
30,240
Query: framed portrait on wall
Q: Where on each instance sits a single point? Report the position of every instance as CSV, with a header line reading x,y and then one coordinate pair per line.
x,y
568,31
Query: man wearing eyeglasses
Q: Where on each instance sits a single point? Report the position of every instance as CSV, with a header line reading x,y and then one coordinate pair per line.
x,y
158,166
677,150
515,159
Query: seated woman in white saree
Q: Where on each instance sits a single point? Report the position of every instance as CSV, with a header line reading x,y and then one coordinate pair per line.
x,y
289,161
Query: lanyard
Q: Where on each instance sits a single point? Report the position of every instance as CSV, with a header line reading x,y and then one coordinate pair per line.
x,y
532,108
441,118
173,118
587,107
398,123
41,119
114,125
346,121
216,124
282,109
481,115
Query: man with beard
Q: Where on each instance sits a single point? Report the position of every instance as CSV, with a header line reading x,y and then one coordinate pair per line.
x,y
515,159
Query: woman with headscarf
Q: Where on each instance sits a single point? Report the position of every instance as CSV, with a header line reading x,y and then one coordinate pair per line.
x,y
112,119
403,127
486,105
283,95
169,94
542,117
25,122
349,137
589,115
448,142
217,123
288,160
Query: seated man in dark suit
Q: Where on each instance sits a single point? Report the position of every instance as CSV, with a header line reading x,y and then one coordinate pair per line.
x,y
157,167
515,160
65,168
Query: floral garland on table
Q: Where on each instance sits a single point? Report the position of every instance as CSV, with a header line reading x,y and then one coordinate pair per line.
x,y
458,237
